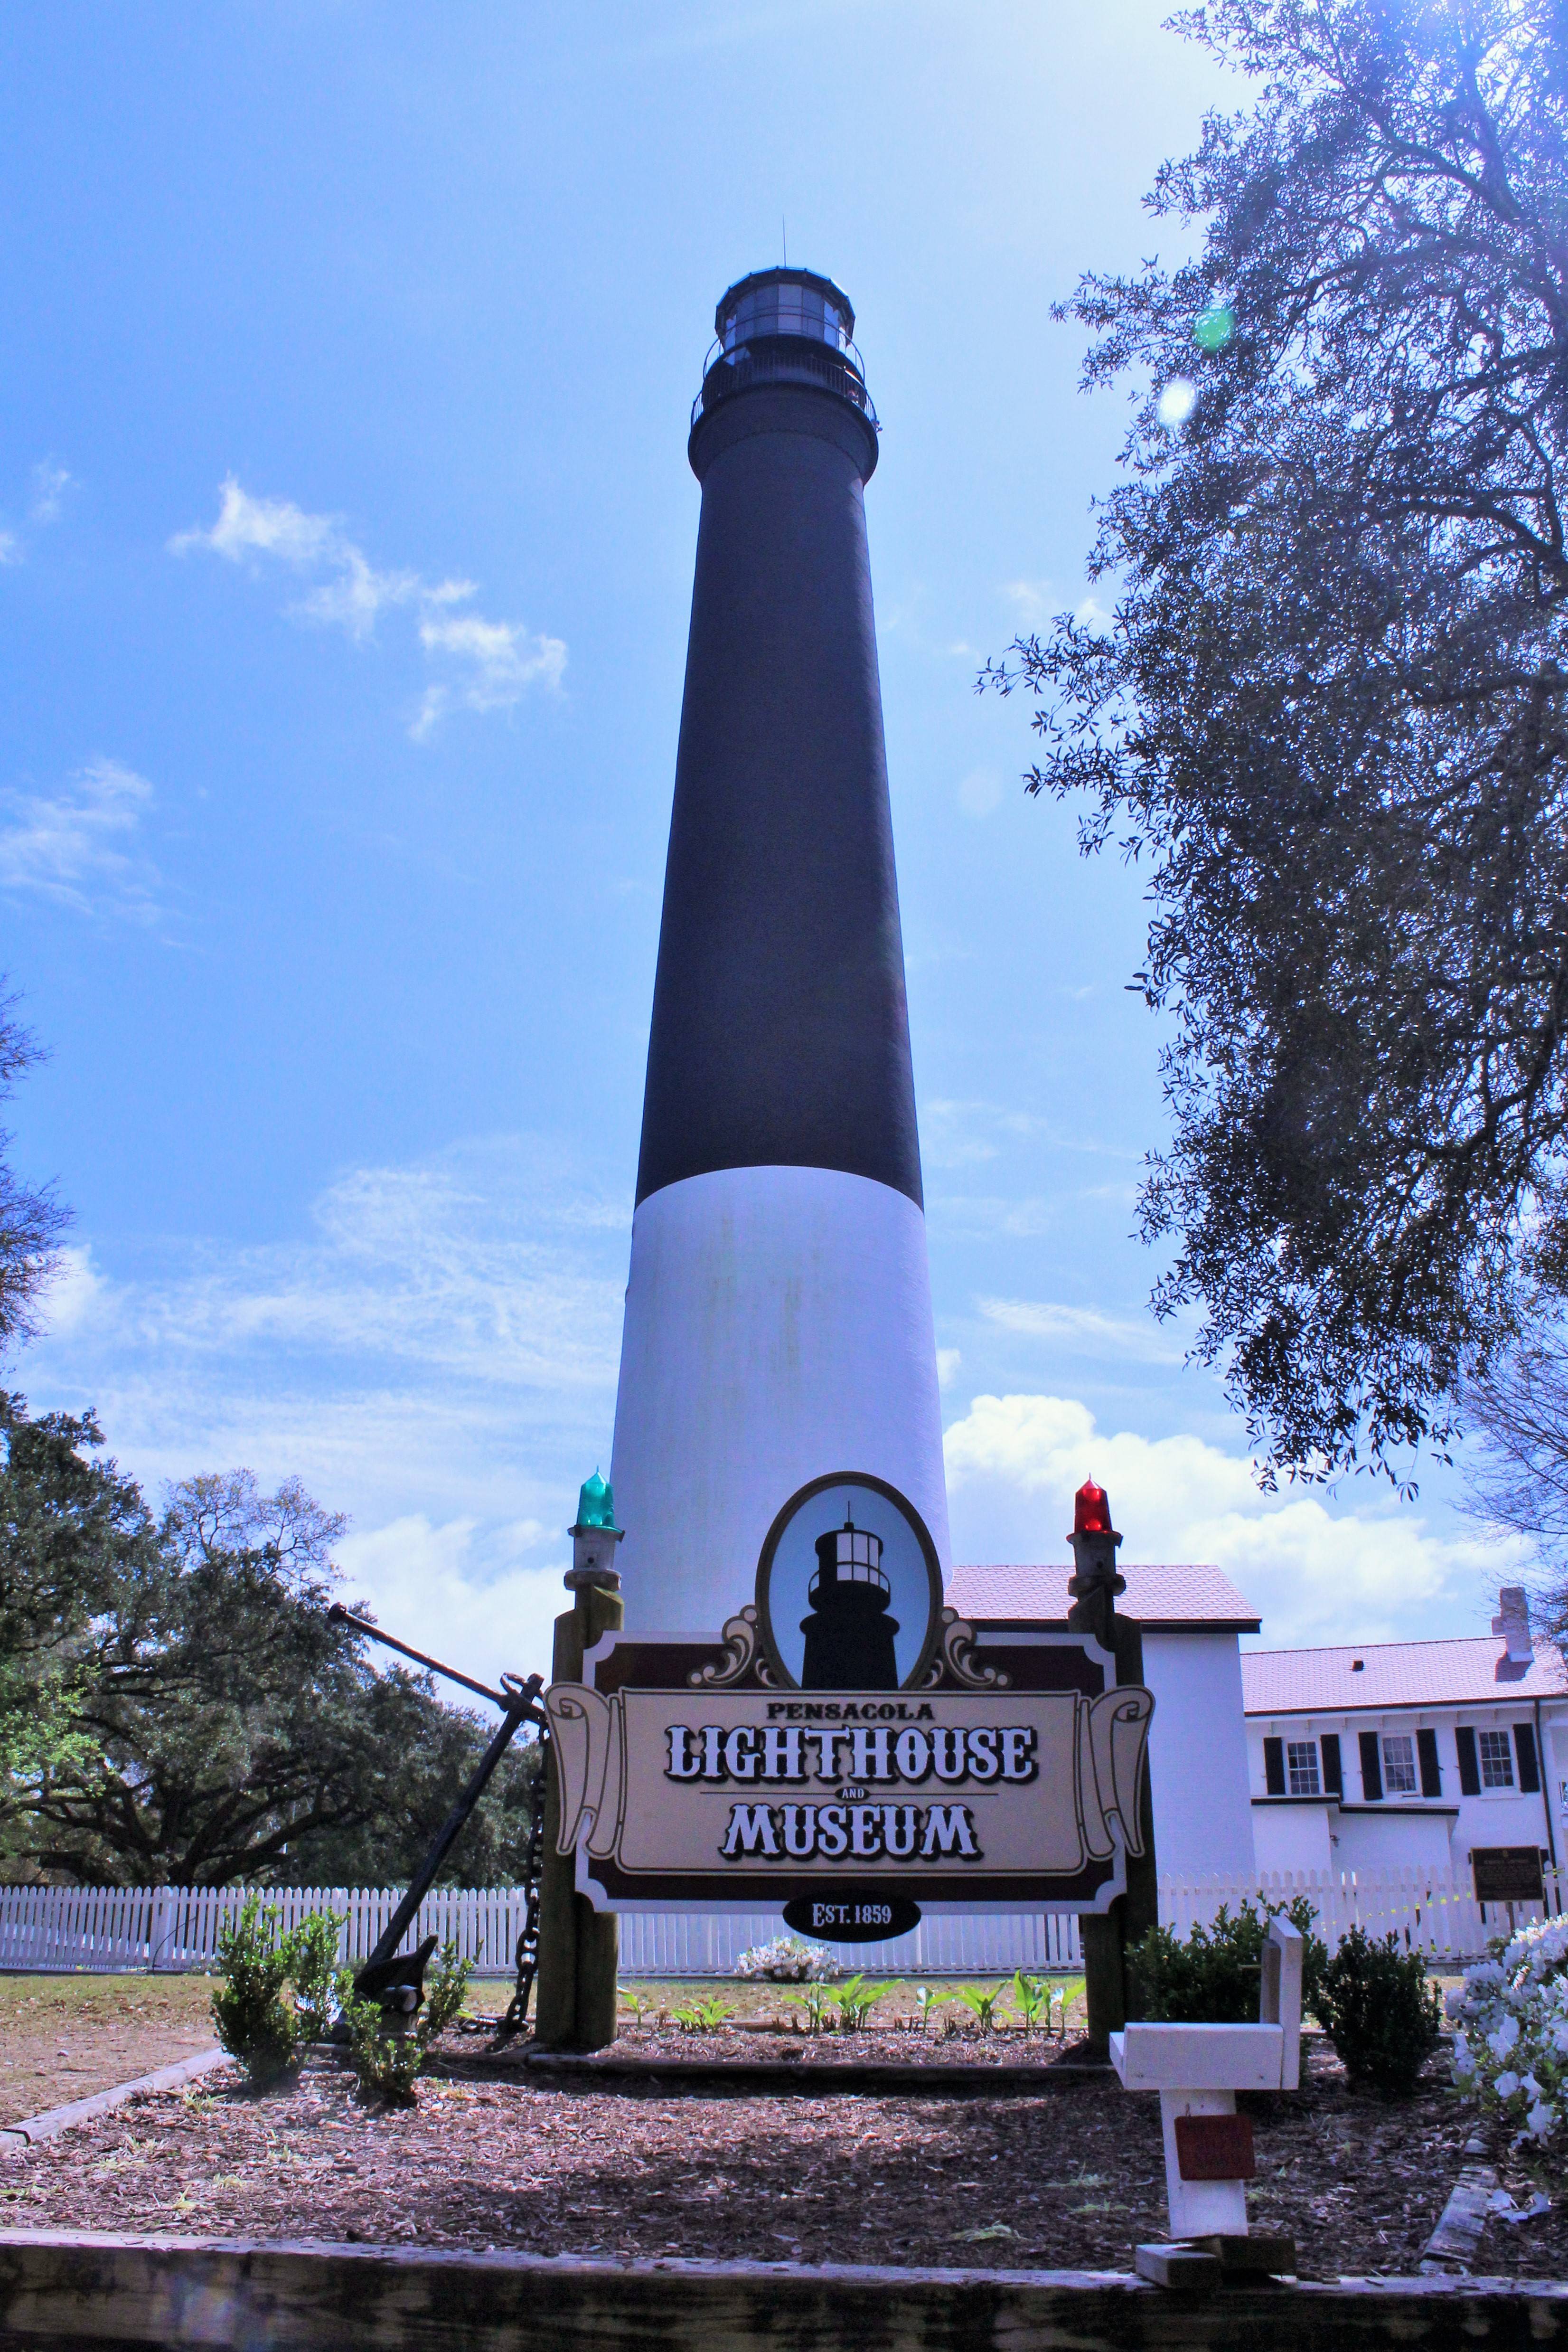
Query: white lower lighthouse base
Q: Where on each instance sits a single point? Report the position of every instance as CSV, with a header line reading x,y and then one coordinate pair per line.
x,y
779,1329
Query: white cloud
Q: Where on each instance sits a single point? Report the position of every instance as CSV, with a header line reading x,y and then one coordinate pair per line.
x,y
496,661
947,1362
74,846
980,793
1078,1329
1313,1573
10,547
436,1355
247,526
1035,601
75,1291
50,481
461,1599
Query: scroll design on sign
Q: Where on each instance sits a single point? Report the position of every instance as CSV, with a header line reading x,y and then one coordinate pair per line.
x,y
742,1654
590,1752
1112,1744
958,1655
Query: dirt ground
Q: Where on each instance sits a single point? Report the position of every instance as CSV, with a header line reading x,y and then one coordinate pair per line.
x,y
1068,2178
65,2037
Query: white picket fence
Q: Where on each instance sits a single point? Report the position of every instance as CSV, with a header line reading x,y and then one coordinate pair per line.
x,y
113,1929
1431,1911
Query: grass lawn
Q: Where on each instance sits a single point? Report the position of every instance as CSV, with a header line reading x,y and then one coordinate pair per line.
x,y
64,2037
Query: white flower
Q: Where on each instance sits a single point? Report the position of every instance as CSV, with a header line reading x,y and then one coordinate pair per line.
x,y
1464,2064
1540,2121
1506,2084
1500,2043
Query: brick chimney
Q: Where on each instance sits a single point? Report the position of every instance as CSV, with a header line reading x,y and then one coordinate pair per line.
x,y
1513,1622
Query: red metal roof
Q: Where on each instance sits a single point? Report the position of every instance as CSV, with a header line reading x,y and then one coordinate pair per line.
x,y
1398,1674
1156,1595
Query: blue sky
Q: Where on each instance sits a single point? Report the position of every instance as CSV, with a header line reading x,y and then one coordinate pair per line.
x,y
347,551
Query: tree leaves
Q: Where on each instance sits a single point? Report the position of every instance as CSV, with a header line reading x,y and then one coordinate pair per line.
x,y
1331,709
220,1725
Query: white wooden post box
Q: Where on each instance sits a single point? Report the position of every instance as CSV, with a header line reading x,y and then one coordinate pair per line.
x,y
1197,2071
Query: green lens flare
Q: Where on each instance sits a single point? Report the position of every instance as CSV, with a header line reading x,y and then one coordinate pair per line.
x,y
1213,328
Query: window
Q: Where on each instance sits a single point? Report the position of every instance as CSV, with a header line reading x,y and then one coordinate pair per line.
x,y
1302,1764
1399,1764
1497,1759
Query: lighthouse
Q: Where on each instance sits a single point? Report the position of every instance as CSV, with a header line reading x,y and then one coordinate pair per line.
x,y
779,1325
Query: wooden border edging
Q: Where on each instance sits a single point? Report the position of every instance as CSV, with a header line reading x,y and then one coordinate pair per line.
x,y
15,2137
769,2076
79,2288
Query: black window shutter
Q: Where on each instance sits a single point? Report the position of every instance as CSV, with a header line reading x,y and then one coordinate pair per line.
x,y
1333,1771
1274,1765
1470,1770
1529,1771
1371,1769
1431,1771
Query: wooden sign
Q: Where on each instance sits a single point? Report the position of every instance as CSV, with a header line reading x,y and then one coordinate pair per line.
x,y
847,1748
1507,1874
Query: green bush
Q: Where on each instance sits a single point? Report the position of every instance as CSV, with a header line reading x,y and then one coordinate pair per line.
x,y
1213,1976
310,1951
387,2065
1380,2012
255,2023
443,1999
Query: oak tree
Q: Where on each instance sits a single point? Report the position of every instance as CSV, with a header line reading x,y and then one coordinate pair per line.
x,y
1330,713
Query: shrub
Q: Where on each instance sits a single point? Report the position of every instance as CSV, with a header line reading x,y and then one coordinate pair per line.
x,y
983,2003
927,2000
445,1995
386,2064
786,1961
310,1955
1378,2010
1511,2048
810,2003
1030,1995
703,2013
1212,1978
254,2023
856,1999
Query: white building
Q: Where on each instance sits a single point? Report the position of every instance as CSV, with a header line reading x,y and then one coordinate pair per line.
x,y
1192,1621
1373,1755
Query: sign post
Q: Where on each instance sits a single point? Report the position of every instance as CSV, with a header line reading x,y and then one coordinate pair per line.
x,y
580,1946
1107,1937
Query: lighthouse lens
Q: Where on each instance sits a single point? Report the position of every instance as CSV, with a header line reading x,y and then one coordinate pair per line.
x,y
785,307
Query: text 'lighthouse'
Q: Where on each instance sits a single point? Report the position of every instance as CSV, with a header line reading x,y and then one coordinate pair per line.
x,y
778,1323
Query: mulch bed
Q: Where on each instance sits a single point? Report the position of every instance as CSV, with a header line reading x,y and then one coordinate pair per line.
x,y
1067,2179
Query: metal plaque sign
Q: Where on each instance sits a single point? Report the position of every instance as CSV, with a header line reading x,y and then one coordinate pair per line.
x,y
862,1762
1507,1874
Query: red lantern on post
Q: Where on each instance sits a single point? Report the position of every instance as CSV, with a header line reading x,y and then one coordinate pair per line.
x,y
1091,1510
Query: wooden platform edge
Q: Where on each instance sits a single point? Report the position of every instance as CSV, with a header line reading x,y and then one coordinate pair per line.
x,y
771,2076
80,2288
15,2138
